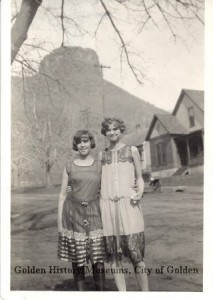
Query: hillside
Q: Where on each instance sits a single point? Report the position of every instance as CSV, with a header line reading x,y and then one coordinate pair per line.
x,y
67,94
128,107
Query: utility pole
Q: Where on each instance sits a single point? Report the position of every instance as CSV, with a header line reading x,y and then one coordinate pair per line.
x,y
102,83
102,80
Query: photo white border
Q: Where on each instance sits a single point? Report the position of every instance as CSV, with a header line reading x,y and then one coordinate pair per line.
x,y
5,149
5,179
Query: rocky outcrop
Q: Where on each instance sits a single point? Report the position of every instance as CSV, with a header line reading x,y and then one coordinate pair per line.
x,y
70,92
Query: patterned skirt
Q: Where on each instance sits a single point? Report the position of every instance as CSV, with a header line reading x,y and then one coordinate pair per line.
x,y
82,237
79,247
129,248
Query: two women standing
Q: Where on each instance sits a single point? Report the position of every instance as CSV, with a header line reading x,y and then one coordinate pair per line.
x,y
80,221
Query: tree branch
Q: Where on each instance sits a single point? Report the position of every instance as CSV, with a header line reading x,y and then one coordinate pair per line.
x,y
122,42
148,13
62,22
166,20
189,6
99,23
23,21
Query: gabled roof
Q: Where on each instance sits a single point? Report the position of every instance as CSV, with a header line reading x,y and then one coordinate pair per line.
x,y
134,139
196,96
170,122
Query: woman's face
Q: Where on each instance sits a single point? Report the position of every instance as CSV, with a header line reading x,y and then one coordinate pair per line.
x,y
113,133
84,146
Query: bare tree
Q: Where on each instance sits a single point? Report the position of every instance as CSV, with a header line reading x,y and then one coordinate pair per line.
x,y
40,132
20,152
22,23
143,12
48,133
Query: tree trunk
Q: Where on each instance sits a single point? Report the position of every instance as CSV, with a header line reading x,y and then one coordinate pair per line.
x,y
23,21
16,175
49,181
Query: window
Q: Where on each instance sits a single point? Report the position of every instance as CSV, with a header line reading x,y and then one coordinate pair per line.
x,y
191,117
161,153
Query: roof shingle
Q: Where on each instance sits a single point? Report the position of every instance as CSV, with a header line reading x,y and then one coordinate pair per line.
x,y
172,125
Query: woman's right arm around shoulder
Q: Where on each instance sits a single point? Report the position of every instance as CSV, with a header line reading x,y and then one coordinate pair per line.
x,y
62,197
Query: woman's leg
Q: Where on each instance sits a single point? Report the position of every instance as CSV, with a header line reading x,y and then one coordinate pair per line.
x,y
79,277
118,276
142,277
99,276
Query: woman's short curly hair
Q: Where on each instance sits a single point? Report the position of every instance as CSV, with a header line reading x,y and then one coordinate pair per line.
x,y
108,121
82,134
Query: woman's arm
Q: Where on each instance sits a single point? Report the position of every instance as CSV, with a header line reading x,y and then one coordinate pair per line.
x,y
138,174
62,197
100,156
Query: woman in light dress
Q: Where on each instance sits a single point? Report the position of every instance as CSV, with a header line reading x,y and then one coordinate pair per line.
x,y
122,188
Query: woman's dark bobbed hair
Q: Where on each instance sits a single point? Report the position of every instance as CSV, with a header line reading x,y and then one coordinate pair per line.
x,y
108,121
82,134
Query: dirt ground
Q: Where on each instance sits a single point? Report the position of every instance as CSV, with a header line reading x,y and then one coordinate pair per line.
x,y
174,242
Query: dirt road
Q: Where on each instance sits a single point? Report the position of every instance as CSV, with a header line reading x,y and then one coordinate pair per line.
x,y
173,228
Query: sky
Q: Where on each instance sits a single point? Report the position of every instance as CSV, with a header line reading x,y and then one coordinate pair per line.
x,y
168,65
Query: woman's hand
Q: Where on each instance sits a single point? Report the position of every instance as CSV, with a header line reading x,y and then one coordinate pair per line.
x,y
136,197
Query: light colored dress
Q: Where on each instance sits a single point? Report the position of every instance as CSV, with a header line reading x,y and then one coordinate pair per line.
x,y
122,220
82,237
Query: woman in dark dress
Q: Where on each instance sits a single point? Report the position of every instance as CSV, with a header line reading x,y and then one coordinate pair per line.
x,y
79,221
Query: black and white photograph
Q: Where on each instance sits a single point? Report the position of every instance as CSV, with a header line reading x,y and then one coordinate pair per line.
x,y
107,143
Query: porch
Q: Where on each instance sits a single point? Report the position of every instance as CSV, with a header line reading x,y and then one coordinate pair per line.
x,y
190,149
